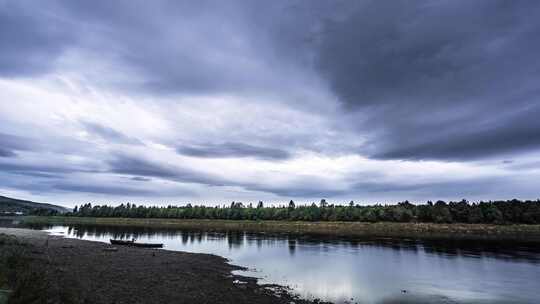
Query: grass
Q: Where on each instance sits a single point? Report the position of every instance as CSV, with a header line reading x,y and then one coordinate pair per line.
x,y
4,296
19,283
381,229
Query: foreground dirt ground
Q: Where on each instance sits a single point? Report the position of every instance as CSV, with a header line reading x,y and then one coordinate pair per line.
x,y
79,271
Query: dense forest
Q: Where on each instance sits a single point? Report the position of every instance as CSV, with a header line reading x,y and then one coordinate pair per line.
x,y
497,212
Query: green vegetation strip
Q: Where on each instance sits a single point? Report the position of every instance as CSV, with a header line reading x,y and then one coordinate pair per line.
x,y
381,229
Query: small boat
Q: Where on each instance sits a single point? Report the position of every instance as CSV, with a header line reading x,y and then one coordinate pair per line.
x,y
135,244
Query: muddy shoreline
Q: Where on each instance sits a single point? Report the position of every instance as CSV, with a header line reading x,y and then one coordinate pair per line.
x,y
77,271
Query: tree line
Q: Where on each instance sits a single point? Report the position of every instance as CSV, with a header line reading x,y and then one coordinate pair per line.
x,y
492,212
42,212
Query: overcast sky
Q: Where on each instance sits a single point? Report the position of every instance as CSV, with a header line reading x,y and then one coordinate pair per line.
x,y
164,102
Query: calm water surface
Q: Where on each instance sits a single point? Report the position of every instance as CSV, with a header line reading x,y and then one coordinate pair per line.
x,y
358,270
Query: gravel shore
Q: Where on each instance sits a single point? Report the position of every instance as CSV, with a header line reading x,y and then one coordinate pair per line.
x,y
78,271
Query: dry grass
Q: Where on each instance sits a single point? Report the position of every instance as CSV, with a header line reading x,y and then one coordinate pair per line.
x,y
382,229
20,282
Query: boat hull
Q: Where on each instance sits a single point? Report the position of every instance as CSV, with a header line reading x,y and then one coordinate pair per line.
x,y
134,244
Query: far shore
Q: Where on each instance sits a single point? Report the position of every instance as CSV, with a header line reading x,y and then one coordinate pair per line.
x,y
515,232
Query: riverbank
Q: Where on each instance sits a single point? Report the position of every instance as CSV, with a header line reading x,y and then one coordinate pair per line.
x,y
61,270
529,233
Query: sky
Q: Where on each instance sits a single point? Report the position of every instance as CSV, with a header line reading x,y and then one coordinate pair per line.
x,y
208,102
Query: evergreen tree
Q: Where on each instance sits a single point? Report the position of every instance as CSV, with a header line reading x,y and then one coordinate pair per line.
x,y
291,204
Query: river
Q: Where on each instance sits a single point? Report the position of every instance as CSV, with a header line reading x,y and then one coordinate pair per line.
x,y
357,270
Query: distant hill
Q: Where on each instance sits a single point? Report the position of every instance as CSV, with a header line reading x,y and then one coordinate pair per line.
x,y
11,205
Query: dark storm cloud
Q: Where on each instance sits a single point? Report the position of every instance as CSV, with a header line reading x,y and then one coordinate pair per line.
x,y
175,60
124,164
511,133
103,189
454,188
7,153
10,143
230,149
168,46
41,170
438,79
296,190
38,174
32,38
141,179
109,134
164,47
13,164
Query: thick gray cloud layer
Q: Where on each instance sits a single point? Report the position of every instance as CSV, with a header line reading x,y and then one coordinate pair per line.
x,y
6,153
109,134
10,144
230,149
103,189
32,38
125,164
466,69
178,46
277,82
441,80
13,142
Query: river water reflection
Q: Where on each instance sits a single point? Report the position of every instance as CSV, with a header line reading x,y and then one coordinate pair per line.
x,y
358,270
